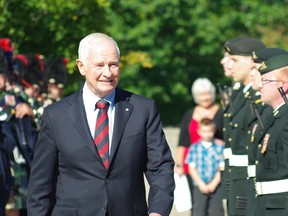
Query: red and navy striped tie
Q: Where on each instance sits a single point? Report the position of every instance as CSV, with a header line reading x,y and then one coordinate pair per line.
x,y
101,136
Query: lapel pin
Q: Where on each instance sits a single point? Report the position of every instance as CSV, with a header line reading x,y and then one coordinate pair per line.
x,y
127,109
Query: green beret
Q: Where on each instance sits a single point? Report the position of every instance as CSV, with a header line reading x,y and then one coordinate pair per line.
x,y
244,46
234,40
273,63
262,55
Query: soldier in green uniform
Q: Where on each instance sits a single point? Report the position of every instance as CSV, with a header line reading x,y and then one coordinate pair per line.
x,y
229,95
257,123
240,119
271,161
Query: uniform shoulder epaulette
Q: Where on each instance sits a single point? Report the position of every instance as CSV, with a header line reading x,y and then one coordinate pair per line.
x,y
258,101
246,95
237,86
257,93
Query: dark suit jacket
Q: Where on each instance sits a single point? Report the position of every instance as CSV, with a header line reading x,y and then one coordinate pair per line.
x,y
69,179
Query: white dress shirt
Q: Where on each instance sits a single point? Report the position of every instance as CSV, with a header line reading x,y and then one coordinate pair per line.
x,y
90,100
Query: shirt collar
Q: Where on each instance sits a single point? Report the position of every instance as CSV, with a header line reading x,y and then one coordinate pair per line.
x,y
206,144
247,87
92,99
275,111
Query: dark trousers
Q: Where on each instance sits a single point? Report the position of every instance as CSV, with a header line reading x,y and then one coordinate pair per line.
x,y
190,183
251,198
207,204
238,191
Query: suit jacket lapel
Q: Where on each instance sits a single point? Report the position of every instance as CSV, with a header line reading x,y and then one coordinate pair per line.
x,y
123,110
77,114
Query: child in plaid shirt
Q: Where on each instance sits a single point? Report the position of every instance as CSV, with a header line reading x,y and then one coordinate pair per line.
x,y
205,160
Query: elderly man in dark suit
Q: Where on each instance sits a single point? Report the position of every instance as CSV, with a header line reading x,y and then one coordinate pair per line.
x,y
80,169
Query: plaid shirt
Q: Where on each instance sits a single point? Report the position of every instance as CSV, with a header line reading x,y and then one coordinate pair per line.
x,y
206,160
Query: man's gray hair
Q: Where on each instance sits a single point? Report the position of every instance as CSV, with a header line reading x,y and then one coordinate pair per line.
x,y
91,41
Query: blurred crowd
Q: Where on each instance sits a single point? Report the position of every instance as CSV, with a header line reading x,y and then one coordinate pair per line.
x,y
28,83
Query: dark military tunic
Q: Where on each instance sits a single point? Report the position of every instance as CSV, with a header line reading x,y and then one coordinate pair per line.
x,y
272,165
239,160
255,129
229,110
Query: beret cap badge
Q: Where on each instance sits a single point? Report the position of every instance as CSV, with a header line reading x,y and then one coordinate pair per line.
x,y
263,66
254,56
227,49
274,63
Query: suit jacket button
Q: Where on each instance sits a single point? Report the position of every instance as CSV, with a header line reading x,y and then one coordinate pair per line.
x,y
107,180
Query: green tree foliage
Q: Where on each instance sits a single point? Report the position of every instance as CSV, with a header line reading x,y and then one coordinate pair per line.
x,y
182,40
165,45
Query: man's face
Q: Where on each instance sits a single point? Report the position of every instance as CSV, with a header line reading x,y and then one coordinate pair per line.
x,y
269,88
257,76
101,69
227,64
241,68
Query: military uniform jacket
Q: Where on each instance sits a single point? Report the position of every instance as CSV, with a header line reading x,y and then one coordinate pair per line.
x,y
228,112
255,129
272,163
239,124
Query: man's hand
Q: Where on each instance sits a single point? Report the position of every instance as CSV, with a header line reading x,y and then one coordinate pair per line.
x,y
179,170
23,109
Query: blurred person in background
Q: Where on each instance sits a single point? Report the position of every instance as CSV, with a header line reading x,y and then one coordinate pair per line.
x,y
7,141
205,159
204,94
